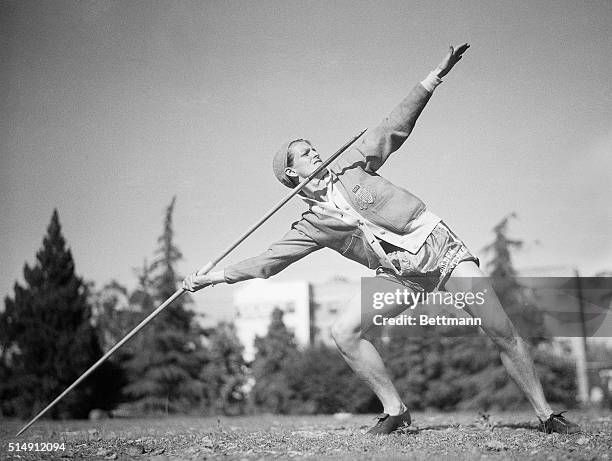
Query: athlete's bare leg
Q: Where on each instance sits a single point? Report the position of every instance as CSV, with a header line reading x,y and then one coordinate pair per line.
x,y
467,277
362,356
365,360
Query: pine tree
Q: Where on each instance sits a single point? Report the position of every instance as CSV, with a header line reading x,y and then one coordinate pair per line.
x,y
526,317
47,336
164,276
164,369
321,382
142,299
274,352
501,269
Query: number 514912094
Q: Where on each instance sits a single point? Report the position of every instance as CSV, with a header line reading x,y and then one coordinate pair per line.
x,y
36,446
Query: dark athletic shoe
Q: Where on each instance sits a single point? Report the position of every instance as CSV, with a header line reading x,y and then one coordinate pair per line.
x,y
387,424
557,423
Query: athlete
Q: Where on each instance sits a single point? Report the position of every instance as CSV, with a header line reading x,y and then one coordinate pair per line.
x,y
366,218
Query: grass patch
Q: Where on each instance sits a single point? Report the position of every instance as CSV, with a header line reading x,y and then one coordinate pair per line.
x,y
432,436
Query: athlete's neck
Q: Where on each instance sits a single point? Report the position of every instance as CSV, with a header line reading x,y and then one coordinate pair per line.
x,y
317,188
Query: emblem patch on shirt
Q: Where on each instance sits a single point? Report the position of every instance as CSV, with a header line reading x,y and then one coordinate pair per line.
x,y
364,196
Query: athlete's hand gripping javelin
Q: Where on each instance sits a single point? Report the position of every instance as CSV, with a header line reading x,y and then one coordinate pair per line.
x,y
194,282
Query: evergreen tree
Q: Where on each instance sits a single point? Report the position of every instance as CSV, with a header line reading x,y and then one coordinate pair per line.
x,y
405,357
321,382
527,318
142,299
501,267
47,337
164,369
274,352
225,373
421,365
164,276
7,389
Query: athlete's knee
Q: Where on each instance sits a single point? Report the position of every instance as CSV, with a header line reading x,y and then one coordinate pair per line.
x,y
345,335
503,334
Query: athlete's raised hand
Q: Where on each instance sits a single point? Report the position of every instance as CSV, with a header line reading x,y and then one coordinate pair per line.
x,y
452,58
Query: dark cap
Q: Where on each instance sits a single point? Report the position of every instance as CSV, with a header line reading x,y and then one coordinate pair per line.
x,y
279,163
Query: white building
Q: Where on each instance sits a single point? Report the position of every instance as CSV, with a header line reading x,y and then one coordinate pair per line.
x,y
309,309
255,301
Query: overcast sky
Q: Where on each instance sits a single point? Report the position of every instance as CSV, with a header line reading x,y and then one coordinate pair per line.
x,y
112,107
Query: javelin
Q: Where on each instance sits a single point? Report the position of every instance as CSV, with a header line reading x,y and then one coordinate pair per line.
x,y
204,270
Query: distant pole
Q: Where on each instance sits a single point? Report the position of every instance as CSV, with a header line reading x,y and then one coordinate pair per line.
x,y
580,348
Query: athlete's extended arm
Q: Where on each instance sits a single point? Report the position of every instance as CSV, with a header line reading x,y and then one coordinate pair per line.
x,y
381,141
293,246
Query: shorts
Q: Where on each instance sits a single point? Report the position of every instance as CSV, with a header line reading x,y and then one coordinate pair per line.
x,y
429,268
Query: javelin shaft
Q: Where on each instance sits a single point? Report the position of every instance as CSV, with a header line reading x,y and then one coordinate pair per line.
x,y
139,327
178,293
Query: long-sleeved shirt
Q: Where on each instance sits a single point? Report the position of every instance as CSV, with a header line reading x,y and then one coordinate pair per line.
x,y
396,215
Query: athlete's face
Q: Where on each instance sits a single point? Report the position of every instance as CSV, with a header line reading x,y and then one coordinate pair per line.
x,y
305,160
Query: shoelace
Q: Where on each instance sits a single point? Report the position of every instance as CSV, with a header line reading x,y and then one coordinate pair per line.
x,y
381,418
555,415
547,425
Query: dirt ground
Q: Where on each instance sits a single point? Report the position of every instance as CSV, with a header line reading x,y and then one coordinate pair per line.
x,y
432,436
